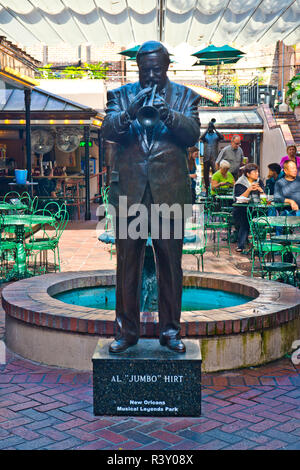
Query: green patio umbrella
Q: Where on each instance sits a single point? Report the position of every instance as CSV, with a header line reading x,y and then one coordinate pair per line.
x,y
225,54
131,52
210,62
213,55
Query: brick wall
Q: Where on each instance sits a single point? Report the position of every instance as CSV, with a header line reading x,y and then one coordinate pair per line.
x,y
65,53
264,62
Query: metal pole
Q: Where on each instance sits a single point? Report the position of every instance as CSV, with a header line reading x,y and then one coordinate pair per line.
x,y
282,76
27,96
258,149
87,172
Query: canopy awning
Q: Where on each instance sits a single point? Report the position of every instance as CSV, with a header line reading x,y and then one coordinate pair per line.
x,y
46,108
241,120
97,22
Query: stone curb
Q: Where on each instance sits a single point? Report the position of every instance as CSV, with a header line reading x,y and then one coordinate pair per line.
x,y
30,301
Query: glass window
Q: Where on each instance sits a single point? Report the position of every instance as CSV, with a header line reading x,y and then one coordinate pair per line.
x,y
4,96
253,117
70,107
38,101
55,105
15,102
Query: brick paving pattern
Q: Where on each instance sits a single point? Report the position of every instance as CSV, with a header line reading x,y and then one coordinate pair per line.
x,y
49,408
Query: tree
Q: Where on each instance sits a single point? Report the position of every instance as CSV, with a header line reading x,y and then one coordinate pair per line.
x,y
93,71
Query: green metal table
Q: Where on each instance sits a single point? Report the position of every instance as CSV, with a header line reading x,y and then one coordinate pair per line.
x,y
19,221
226,197
289,221
288,239
6,206
275,205
225,201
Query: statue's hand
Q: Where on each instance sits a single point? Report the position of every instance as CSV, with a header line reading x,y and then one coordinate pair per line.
x,y
137,102
163,108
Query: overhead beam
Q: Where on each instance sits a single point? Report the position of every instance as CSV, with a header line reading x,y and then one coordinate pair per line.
x,y
161,15
275,21
220,19
246,22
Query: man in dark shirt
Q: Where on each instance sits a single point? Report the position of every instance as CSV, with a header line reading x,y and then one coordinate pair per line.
x,y
287,189
210,138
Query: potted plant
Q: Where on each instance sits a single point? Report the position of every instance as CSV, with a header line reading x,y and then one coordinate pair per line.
x,y
293,93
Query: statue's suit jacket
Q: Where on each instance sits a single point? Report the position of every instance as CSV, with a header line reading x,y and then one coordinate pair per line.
x,y
162,162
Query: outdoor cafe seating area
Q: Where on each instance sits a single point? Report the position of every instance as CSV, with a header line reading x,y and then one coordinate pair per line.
x,y
274,238
30,233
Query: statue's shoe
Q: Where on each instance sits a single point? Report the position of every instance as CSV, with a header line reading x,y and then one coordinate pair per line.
x,y
175,344
120,345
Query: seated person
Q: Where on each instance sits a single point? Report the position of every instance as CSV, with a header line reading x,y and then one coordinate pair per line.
x,y
193,154
287,189
291,155
46,188
222,180
274,172
11,165
248,185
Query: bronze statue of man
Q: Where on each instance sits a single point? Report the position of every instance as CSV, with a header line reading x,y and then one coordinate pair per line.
x,y
150,167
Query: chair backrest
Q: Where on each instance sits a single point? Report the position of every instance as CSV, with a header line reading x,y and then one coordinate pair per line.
x,y
215,214
53,207
11,195
43,232
55,229
62,219
261,230
30,202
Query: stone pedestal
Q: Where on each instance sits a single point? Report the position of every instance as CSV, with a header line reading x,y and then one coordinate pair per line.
x,y
147,380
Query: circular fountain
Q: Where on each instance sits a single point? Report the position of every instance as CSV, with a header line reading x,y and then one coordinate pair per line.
x,y
260,327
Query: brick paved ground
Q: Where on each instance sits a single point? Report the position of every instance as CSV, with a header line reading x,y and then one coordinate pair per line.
x,y
50,408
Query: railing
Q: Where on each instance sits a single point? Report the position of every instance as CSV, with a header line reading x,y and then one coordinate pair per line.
x,y
228,92
100,180
251,94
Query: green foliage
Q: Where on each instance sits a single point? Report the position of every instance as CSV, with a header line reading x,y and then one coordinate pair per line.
x,y
72,72
97,71
92,71
223,74
293,91
47,73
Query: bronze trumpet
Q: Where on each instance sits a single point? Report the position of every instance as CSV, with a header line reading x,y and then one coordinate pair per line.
x,y
148,115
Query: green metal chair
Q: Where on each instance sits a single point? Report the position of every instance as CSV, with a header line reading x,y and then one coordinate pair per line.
x,y
266,249
11,195
262,245
195,237
7,252
218,222
30,202
47,239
